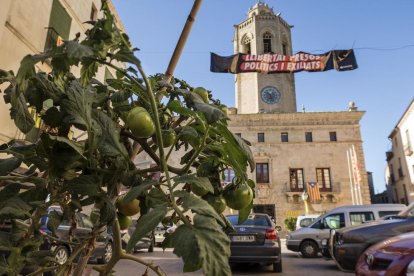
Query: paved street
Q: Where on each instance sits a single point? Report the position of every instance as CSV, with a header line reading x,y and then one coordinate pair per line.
x,y
293,264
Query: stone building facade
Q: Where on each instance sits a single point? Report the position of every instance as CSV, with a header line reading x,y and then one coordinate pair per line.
x,y
29,27
292,148
400,159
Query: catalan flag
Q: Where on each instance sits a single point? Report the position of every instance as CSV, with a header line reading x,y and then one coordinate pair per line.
x,y
313,191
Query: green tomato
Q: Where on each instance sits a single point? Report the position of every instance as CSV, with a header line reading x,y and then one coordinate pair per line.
x,y
140,122
124,221
168,137
238,196
128,209
203,93
217,202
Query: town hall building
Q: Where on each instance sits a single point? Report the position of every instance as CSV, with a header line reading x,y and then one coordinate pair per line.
x,y
291,148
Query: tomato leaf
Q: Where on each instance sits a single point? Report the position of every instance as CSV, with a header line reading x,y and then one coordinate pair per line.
x,y
202,183
85,185
18,110
145,224
203,245
14,207
9,164
109,143
198,205
245,212
138,190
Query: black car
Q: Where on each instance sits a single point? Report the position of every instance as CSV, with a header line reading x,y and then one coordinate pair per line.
x,y
347,244
255,241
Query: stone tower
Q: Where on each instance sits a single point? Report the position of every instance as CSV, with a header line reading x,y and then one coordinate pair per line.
x,y
264,32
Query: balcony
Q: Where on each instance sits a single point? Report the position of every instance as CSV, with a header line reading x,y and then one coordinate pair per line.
x,y
327,195
389,155
408,150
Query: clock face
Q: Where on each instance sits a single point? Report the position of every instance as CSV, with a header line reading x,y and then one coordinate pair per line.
x,y
270,95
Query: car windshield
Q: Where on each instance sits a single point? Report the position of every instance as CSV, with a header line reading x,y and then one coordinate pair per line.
x,y
407,212
256,220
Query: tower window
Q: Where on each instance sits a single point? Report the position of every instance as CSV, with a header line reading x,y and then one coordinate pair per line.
x,y
267,42
332,136
308,136
260,137
284,137
246,44
284,49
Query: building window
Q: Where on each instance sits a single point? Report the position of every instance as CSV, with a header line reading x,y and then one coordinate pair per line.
x,y
392,177
260,137
59,25
94,13
246,44
396,196
228,176
238,134
284,137
262,172
332,136
308,136
296,180
267,42
400,171
284,49
323,177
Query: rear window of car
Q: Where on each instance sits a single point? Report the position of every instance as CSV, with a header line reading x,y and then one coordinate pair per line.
x,y
251,220
387,213
360,217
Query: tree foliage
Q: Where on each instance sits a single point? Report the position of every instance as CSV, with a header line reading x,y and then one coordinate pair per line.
x,y
84,155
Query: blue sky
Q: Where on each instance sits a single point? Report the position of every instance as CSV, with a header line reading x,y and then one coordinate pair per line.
x,y
381,32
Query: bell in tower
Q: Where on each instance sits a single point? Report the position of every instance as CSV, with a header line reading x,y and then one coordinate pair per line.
x,y
264,32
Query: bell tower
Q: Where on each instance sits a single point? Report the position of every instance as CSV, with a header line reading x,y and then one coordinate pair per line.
x,y
264,32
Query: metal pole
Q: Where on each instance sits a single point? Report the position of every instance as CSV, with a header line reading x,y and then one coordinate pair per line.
x,y
182,40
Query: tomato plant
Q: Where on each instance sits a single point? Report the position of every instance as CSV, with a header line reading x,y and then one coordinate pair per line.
x,y
92,132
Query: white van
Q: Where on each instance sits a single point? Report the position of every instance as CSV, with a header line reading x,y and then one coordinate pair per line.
x,y
307,240
305,220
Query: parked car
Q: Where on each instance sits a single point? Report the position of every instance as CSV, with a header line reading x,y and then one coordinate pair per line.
x,y
347,244
305,220
255,241
391,257
308,240
147,242
60,245
160,232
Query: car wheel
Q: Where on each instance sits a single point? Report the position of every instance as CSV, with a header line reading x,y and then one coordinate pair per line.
x,y
152,245
277,267
107,255
61,254
309,249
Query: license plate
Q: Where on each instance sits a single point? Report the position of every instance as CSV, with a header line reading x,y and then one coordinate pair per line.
x,y
243,238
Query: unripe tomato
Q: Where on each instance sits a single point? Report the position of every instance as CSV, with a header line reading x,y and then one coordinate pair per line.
x,y
202,93
128,209
140,122
216,201
124,221
168,137
238,196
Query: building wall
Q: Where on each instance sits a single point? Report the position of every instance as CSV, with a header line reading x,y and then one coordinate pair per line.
x,y
23,31
297,153
401,158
